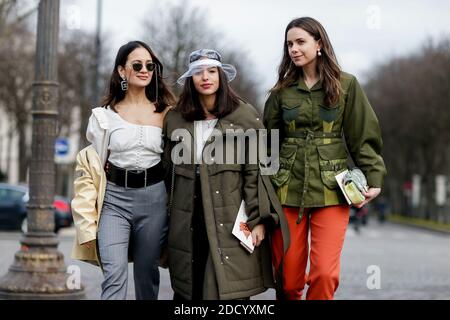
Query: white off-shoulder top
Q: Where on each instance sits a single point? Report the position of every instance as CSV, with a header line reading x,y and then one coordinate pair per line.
x,y
131,146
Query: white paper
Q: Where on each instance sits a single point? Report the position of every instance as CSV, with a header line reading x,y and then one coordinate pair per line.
x,y
241,231
339,179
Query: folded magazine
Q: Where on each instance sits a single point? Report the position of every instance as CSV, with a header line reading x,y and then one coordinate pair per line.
x,y
241,230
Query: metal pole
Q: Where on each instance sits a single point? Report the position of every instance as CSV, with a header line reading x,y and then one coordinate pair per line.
x,y
96,94
38,270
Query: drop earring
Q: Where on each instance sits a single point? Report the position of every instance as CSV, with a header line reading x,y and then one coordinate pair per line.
x,y
124,84
319,53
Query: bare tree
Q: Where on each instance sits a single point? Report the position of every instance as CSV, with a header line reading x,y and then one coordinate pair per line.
x,y
76,57
175,30
76,77
17,47
411,95
11,14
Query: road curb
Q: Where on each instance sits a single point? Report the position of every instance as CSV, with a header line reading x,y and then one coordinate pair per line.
x,y
417,226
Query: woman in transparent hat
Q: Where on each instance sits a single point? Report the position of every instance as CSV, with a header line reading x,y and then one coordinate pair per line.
x,y
206,261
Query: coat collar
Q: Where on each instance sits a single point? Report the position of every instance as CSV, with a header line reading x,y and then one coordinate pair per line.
x,y
301,85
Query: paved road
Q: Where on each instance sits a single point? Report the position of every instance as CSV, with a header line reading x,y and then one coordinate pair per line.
x,y
411,264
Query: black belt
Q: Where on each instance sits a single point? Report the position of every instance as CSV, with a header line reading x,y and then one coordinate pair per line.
x,y
135,178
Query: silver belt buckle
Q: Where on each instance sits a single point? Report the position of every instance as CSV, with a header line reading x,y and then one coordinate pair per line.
x,y
126,178
137,172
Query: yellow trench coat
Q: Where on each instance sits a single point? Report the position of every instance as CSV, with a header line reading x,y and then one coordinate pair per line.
x,y
89,189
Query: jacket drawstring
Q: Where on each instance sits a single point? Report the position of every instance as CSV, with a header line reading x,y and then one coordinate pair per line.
x,y
309,139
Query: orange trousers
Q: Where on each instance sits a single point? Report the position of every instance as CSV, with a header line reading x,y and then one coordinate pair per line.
x,y
327,226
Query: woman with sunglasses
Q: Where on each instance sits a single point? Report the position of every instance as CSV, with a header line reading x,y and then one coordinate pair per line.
x,y
206,261
318,108
126,132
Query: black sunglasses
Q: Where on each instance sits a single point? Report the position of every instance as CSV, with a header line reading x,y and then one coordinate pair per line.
x,y
137,66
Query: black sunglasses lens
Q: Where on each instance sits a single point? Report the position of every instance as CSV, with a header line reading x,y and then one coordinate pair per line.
x,y
137,66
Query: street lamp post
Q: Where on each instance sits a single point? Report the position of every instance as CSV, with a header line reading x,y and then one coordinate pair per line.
x,y
38,270
95,87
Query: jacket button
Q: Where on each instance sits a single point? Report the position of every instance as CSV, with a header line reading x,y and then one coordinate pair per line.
x,y
192,229
217,191
221,224
231,124
257,119
226,257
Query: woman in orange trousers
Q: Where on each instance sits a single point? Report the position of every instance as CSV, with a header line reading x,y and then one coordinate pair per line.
x,y
327,226
324,118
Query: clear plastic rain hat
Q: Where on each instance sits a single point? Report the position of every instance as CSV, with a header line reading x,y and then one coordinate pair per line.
x,y
206,58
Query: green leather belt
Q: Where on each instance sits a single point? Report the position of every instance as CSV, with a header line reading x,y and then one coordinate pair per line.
x,y
313,134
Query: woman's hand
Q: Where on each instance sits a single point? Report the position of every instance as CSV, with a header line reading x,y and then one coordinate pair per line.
x,y
371,194
88,244
258,234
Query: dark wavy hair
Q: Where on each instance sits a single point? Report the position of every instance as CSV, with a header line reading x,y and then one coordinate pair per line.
x,y
116,94
226,100
327,65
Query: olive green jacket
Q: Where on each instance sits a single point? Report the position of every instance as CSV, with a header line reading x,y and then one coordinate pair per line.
x,y
314,140
238,273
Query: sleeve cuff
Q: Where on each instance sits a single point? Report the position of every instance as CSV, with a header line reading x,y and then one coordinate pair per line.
x,y
375,180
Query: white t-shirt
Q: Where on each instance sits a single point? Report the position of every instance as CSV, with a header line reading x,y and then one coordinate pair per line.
x,y
202,131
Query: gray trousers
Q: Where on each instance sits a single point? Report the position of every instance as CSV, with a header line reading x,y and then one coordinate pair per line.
x,y
133,223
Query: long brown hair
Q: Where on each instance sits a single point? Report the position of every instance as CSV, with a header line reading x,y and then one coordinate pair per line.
x,y
327,65
157,91
226,100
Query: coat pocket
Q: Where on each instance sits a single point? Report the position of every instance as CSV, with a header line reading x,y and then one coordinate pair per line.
x,y
187,172
329,114
291,110
214,169
241,267
332,160
287,159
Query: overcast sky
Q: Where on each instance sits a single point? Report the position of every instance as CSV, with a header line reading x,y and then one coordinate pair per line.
x,y
362,32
